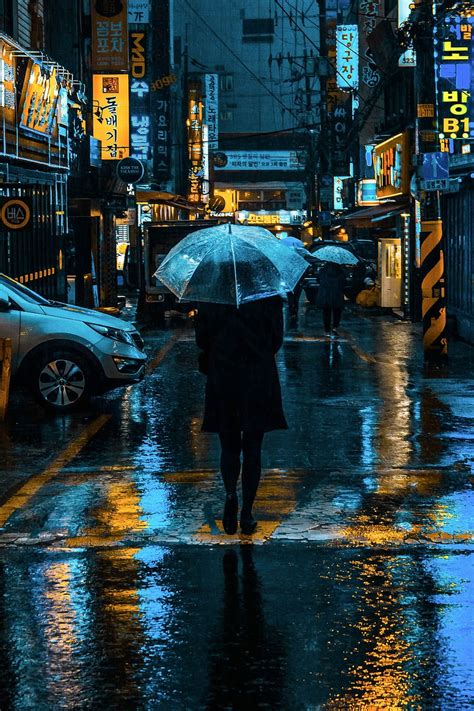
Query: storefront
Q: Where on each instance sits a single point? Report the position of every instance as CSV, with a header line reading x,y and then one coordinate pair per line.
x,y
35,104
388,222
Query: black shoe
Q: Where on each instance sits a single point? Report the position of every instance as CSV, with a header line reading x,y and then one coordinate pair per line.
x,y
248,525
229,519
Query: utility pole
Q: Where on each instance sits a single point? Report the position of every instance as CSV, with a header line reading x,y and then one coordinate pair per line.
x,y
324,167
433,288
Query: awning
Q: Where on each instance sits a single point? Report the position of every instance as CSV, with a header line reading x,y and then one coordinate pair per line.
x,y
376,213
155,197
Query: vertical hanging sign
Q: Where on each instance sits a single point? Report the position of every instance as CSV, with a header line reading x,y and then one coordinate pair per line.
x,y
111,115
140,119
347,59
109,36
408,58
211,113
195,146
161,93
454,57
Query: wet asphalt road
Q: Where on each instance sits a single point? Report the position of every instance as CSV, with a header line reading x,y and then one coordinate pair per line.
x,y
118,588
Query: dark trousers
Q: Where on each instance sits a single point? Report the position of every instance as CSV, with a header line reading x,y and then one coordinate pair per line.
x,y
250,445
333,314
294,300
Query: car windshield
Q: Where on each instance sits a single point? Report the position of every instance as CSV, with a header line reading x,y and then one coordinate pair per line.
x,y
27,294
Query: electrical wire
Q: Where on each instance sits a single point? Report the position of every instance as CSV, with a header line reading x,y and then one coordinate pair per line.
x,y
236,56
358,94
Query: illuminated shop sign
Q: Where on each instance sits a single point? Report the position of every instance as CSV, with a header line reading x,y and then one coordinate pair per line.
x,y
195,146
111,115
40,95
281,217
211,106
138,11
109,36
338,191
347,56
261,160
7,83
454,56
367,192
408,58
160,101
391,160
140,110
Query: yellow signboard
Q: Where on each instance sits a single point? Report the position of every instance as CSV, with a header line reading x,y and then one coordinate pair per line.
x,y
111,115
109,36
391,165
40,95
7,83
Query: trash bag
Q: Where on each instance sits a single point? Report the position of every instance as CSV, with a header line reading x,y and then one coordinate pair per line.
x,y
368,298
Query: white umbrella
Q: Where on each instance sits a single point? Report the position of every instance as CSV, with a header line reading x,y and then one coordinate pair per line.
x,y
231,264
337,255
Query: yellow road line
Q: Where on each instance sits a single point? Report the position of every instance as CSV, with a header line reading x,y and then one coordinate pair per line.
x,y
367,357
163,352
26,492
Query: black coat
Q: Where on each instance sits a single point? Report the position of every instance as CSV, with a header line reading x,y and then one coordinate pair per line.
x,y
332,282
243,389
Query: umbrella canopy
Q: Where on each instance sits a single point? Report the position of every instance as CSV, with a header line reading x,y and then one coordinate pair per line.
x,y
337,255
298,245
292,242
230,264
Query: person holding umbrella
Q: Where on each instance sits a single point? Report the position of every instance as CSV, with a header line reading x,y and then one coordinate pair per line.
x,y
330,296
238,276
332,282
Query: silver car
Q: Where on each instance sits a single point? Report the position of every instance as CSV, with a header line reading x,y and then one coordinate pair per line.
x,y
66,353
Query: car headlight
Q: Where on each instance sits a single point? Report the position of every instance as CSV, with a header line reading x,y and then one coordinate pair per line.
x,y
116,334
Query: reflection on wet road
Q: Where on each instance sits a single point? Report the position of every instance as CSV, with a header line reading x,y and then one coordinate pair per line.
x,y
357,592
198,627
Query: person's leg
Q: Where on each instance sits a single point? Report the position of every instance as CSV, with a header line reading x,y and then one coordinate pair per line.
x,y
251,470
327,318
231,443
336,317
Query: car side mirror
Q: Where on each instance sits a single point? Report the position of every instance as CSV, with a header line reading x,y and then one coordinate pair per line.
x,y
5,303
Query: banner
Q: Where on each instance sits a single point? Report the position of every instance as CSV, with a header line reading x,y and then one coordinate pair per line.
x,y
111,115
109,36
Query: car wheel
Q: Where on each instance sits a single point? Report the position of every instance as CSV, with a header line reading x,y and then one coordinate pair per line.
x,y
62,381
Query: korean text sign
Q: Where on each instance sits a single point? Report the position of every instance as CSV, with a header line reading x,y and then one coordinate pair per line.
x,y
109,36
454,56
347,59
391,166
40,95
111,115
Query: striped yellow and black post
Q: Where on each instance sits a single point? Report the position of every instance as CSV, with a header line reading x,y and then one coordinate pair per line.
x,y
433,292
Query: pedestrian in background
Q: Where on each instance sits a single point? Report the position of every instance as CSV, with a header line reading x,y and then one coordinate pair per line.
x,y
330,298
243,396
